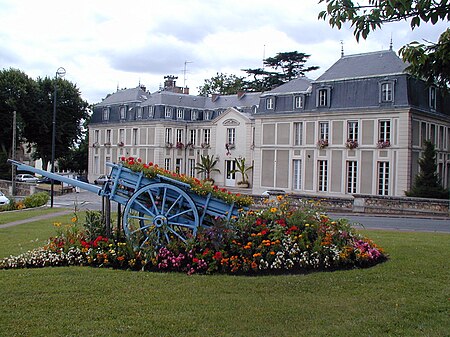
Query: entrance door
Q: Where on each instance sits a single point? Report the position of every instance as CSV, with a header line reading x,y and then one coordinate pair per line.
x,y
230,178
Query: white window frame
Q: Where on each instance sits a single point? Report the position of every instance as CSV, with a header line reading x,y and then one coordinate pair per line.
x,y
432,98
108,136
323,97
139,112
123,112
298,102
178,165
191,167
352,176
207,115
193,136
168,112
180,113
231,136
134,136
167,164
207,136
270,103
322,175
387,92
352,130
384,130
151,111
96,136
105,114
168,135
324,130
297,174
122,136
179,135
383,178
298,133
194,115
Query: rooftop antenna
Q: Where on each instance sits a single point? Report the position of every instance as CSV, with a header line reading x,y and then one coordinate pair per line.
x,y
264,56
342,48
117,86
184,72
390,45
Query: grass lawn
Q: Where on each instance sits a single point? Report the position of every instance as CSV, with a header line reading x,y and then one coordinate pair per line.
x,y
6,217
406,296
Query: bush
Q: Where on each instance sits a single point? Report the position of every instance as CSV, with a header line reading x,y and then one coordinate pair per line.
x,y
36,200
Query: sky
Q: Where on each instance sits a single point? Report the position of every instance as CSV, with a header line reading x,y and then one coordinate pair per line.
x,y
105,45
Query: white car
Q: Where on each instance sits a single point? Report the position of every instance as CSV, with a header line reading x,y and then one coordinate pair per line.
x,y
26,178
273,192
3,199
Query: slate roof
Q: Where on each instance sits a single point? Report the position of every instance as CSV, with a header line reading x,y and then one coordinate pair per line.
x,y
300,84
125,96
378,63
246,100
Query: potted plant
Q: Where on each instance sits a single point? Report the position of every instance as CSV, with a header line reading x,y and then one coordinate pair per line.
x,y
322,143
242,169
169,145
205,145
382,144
206,166
179,145
120,144
351,144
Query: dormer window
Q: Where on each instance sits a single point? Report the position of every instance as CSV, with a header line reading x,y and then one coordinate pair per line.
x,y
269,103
180,113
323,97
207,115
105,114
386,91
139,112
194,115
123,113
151,111
298,102
168,112
432,98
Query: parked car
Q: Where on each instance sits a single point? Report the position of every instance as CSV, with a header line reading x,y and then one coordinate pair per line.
x,y
3,199
101,180
26,178
273,192
82,178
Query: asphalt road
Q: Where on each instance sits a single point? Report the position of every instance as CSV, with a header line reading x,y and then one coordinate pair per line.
x,y
91,201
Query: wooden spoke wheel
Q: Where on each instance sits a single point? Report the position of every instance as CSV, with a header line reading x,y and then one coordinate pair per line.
x,y
158,213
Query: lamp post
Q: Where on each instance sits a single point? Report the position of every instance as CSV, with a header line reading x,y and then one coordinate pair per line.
x,y
60,72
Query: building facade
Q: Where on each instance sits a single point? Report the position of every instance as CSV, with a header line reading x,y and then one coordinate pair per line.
x,y
357,129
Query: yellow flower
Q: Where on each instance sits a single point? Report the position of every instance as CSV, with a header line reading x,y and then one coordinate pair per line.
x,y
307,225
273,209
279,197
74,219
57,224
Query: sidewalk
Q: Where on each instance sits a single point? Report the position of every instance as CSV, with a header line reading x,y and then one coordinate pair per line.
x,y
36,218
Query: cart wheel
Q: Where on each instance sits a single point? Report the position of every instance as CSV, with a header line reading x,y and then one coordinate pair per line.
x,y
159,213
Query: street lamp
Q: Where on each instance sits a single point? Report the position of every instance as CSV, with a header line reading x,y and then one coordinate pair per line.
x,y
59,74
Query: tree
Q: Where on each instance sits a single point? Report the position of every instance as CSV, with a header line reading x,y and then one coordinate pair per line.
x,y
222,84
206,166
427,182
71,111
76,159
242,169
368,17
285,67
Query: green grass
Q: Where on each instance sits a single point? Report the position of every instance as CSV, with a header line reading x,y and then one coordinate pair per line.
x,y
406,296
6,217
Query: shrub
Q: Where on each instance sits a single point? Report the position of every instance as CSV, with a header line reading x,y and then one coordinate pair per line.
x,y
36,200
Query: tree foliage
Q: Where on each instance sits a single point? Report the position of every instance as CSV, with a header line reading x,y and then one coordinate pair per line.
x,y
427,182
428,61
207,165
222,84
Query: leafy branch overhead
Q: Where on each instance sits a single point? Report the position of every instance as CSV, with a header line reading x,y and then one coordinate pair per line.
x,y
429,61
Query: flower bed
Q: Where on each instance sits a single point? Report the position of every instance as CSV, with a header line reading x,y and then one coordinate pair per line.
x,y
283,237
150,170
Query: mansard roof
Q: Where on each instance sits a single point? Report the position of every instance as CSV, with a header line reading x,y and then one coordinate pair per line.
x,y
248,99
125,96
163,97
378,63
298,85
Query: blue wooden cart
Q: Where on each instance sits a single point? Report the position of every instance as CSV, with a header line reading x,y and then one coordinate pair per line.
x,y
157,210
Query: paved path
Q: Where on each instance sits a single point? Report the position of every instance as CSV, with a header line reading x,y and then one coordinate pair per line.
x,y
36,218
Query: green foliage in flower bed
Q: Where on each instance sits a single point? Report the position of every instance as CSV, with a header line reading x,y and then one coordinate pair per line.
x,y
31,201
151,170
283,237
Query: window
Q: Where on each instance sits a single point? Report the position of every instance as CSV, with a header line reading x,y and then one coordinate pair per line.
x,y
193,137
298,102
352,174
441,137
231,136
298,133
386,92
178,165
179,136
352,130
135,136
269,103
297,179
323,130
180,113
151,111
168,112
383,178
105,114
168,135
167,164
108,137
194,115
384,131
138,112
207,136
323,175
123,112
323,98
122,136
432,98
96,136
191,167
207,115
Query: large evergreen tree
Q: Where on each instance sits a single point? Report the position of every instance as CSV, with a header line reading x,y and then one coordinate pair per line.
x,y
427,183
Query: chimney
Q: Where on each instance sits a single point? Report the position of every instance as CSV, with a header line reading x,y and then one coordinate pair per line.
x,y
186,91
169,81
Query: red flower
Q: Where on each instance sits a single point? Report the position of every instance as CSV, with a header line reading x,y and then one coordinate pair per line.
x,y
195,260
217,256
206,252
122,158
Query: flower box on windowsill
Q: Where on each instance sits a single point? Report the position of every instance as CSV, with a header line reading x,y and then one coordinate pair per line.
x,y
120,144
190,146
383,144
96,145
351,144
205,146
107,144
179,145
169,145
322,143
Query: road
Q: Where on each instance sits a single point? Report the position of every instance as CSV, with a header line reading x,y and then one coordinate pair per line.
x,y
91,201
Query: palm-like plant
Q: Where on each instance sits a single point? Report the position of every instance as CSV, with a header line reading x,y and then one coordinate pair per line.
x,y
242,169
206,166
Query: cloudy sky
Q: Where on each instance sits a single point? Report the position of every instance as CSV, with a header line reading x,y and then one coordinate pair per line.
x,y
108,44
